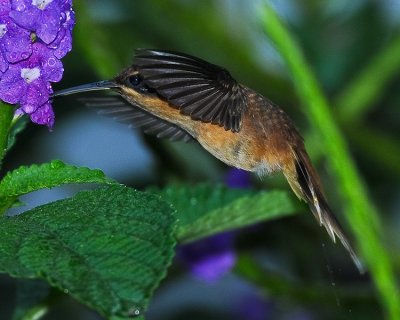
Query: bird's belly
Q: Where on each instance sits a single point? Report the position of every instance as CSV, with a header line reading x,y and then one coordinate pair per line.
x,y
236,149
249,149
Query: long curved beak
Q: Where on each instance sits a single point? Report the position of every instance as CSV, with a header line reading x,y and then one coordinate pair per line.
x,y
100,85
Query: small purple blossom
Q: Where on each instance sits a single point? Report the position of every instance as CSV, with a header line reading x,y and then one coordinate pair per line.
x,y
13,51
39,16
62,44
27,83
44,114
238,178
211,258
34,36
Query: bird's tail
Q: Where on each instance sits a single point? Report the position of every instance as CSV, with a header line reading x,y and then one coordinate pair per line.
x,y
305,183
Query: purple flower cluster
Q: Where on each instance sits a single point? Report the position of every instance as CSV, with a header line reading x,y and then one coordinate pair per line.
x,y
34,36
211,258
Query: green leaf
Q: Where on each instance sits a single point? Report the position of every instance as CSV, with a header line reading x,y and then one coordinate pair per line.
x,y
27,179
108,248
204,210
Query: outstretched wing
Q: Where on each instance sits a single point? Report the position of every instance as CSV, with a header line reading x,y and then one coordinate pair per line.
x,y
122,111
199,89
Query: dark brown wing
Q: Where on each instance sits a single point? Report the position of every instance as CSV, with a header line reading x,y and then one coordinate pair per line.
x,y
199,89
122,111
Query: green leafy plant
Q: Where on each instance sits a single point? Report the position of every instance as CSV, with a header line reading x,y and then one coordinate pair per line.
x,y
110,247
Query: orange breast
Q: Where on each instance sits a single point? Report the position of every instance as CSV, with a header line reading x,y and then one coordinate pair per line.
x,y
258,146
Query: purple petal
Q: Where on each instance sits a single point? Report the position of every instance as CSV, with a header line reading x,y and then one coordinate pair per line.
x,y
43,115
237,178
5,7
214,266
27,19
12,86
63,42
35,103
45,21
67,4
19,5
3,62
211,258
36,94
16,42
48,26
51,68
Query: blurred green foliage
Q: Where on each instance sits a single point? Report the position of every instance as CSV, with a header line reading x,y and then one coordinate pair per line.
x,y
361,212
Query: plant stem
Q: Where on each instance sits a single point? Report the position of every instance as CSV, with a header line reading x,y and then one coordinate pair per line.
x,y
6,115
37,312
361,213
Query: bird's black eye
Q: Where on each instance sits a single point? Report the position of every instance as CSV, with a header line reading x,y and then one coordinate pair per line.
x,y
134,80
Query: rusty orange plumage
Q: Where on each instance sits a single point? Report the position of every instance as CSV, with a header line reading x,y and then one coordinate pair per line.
x,y
181,97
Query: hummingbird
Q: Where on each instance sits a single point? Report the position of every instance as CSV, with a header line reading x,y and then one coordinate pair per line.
x,y
184,98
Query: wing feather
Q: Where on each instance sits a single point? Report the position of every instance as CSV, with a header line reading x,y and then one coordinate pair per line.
x,y
122,111
194,86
